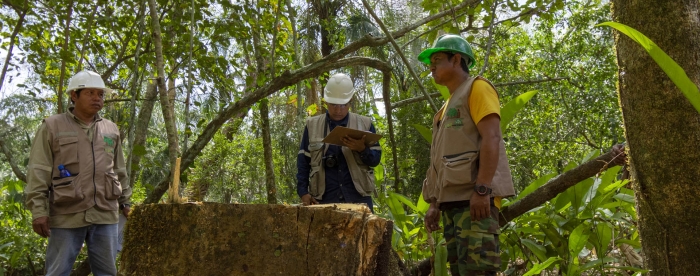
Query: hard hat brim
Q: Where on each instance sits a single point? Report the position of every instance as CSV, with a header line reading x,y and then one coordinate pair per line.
x,y
332,100
105,89
424,56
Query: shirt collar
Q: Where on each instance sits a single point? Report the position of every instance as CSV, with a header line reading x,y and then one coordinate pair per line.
x,y
343,122
70,113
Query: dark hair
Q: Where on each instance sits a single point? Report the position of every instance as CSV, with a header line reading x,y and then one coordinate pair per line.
x,y
77,95
463,60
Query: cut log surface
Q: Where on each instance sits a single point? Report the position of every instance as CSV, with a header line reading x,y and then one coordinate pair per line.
x,y
248,239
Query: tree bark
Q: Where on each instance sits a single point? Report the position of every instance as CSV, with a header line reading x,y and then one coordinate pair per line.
x,y
232,239
386,93
270,185
141,131
166,106
135,85
662,130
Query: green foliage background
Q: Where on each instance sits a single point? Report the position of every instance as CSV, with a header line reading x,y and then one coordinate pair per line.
x,y
549,46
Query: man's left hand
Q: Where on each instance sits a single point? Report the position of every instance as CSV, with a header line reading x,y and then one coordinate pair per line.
x,y
126,211
357,145
479,207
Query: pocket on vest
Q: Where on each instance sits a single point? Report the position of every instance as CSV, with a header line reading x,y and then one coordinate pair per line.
x,y
368,185
67,150
65,190
114,187
459,168
314,181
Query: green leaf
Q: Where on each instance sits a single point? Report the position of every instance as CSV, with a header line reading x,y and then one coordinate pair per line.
x,y
667,64
396,209
422,204
536,248
442,89
511,108
441,260
597,262
425,132
624,197
403,199
604,234
534,185
578,238
536,269
557,240
636,244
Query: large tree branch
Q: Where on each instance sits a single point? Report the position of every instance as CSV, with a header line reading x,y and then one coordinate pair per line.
x,y
555,186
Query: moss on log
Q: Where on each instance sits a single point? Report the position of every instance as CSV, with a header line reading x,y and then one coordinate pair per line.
x,y
246,239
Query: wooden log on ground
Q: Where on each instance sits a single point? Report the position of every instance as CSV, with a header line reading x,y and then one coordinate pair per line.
x,y
248,239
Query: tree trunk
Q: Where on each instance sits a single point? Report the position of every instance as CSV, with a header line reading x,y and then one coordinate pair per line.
x,y
386,94
136,84
267,151
66,46
166,106
662,131
138,149
247,239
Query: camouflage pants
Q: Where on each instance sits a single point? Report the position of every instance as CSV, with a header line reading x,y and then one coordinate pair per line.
x,y
472,246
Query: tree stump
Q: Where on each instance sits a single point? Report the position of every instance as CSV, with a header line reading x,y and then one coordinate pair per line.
x,y
247,239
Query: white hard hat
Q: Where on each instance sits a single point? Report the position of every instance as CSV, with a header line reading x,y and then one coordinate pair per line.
x,y
86,79
339,89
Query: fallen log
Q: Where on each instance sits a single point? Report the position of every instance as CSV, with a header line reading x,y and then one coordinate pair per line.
x,y
256,239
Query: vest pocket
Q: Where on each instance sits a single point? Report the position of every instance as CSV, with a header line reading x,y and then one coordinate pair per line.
x,y
68,150
65,190
314,181
114,187
368,185
459,168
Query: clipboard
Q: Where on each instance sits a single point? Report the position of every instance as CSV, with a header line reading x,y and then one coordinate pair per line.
x,y
339,132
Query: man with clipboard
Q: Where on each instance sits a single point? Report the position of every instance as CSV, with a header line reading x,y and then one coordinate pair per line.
x,y
330,173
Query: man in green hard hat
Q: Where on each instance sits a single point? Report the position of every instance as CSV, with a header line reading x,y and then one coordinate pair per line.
x,y
469,173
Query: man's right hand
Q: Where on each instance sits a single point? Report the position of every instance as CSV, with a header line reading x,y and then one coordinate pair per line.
x,y
41,226
307,200
432,218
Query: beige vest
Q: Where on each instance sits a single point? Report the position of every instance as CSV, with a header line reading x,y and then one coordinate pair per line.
x,y
91,164
362,175
454,154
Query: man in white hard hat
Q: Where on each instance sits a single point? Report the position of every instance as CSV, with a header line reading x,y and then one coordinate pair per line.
x,y
330,173
77,182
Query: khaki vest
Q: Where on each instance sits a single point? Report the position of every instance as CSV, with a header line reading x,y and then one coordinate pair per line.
x,y
454,154
91,164
362,175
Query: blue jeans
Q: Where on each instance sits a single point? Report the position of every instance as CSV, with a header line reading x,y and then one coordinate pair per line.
x,y
65,244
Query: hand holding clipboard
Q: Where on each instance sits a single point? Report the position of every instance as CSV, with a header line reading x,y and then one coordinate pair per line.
x,y
335,137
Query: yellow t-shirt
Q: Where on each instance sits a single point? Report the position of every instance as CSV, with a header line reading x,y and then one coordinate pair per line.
x,y
483,101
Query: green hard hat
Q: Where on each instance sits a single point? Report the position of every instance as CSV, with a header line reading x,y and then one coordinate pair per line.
x,y
449,43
